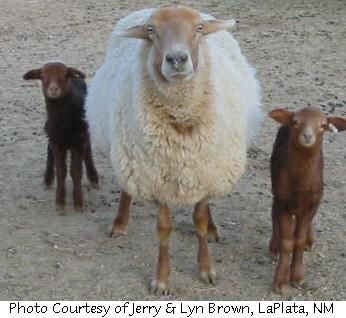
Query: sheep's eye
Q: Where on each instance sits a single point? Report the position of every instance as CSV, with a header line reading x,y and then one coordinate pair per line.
x,y
150,29
294,122
324,126
200,28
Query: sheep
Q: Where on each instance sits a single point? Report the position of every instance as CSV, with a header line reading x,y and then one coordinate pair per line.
x,y
64,91
174,106
297,187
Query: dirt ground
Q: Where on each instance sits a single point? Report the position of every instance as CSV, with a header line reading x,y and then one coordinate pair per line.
x,y
298,48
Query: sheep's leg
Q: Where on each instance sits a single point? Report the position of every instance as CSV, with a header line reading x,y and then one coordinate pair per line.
x,y
274,245
49,171
164,228
201,219
301,235
121,221
59,155
310,240
282,274
76,172
213,231
90,167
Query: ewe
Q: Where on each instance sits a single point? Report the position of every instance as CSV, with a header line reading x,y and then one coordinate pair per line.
x,y
174,106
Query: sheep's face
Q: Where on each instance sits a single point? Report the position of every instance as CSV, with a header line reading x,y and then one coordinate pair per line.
x,y
308,125
56,78
175,34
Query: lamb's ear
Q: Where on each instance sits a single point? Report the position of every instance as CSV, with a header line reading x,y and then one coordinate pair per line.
x,y
74,73
136,32
33,74
282,116
211,26
338,122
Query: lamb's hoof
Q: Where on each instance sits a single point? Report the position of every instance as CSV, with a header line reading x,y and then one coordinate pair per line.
x,y
297,282
79,207
95,185
274,251
157,287
310,246
208,277
214,234
116,230
60,208
281,288
274,255
47,186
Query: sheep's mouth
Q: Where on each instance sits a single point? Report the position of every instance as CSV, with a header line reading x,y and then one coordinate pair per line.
x,y
179,76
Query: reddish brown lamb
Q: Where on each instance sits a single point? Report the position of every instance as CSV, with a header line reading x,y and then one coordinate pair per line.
x,y
64,91
297,186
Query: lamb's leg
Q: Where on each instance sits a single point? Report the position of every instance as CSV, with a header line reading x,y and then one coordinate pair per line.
x,y
274,245
310,240
164,228
59,155
201,219
303,227
119,226
90,167
49,171
282,274
213,231
76,172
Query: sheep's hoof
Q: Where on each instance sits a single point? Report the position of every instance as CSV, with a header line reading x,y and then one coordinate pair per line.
x,y
208,277
95,185
298,283
115,230
157,287
274,251
47,186
79,207
310,246
214,234
281,288
60,208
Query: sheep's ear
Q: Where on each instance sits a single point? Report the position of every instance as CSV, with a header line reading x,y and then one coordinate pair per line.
x,y
33,74
212,26
282,116
136,32
338,122
74,73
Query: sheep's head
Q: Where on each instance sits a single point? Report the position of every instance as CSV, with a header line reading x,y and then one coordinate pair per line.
x,y
308,125
175,33
56,78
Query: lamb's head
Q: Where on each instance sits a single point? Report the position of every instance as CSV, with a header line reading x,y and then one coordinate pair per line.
x,y
56,78
308,125
175,33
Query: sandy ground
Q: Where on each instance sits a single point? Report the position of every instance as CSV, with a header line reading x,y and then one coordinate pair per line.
x,y
299,52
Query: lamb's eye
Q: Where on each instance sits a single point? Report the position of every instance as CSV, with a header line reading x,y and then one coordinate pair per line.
x,y
294,122
200,28
150,29
324,126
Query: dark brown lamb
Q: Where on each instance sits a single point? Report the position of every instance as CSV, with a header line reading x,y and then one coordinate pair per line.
x,y
297,186
64,90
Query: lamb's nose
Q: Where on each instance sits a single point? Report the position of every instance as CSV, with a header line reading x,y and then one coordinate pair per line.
x,y
53,90
307,137
176,59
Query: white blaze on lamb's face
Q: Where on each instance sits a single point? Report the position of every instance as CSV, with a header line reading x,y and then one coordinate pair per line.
x,y
175,33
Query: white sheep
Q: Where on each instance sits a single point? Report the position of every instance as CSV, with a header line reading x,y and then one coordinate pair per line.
x,y
175,112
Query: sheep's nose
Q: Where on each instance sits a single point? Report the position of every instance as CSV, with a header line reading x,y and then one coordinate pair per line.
x,y
53,90
176,59
307,137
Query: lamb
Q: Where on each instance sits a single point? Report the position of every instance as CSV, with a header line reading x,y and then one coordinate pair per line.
x,y
64,90
174,106
297,186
